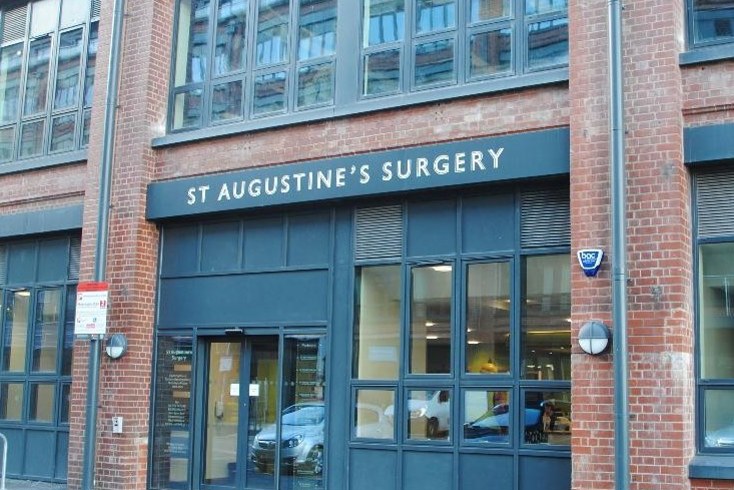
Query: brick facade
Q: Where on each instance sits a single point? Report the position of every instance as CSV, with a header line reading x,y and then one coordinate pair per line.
x,y
662,98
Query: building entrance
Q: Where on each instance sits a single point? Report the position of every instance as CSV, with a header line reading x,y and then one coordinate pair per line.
x,y
264,414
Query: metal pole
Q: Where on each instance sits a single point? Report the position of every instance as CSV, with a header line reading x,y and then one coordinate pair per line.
x,y
100,257
619,249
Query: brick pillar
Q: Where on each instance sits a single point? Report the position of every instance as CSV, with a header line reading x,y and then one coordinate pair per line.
x,y
660,285
133,246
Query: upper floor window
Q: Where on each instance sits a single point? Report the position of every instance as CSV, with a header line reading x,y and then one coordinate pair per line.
x,y
712,21
48,51
246,60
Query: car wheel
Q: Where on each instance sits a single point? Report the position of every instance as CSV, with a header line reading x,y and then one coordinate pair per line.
x,y
432,428
316,460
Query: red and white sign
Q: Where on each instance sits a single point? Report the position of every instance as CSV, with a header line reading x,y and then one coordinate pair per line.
x,y
91,308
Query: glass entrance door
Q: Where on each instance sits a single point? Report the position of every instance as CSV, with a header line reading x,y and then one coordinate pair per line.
x,y
249,382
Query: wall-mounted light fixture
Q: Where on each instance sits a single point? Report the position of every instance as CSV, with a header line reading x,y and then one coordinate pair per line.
x,y
594,337
116,345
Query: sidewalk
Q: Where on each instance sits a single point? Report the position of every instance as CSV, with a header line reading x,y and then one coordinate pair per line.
x,y
32,485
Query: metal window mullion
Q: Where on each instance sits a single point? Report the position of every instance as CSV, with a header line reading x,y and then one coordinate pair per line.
x,y
279,408
248,101
348,69
461,44
292,56
207,81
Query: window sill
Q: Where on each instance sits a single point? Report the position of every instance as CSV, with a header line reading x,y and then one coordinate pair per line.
x,y
711,467
43,162
707,54
534,79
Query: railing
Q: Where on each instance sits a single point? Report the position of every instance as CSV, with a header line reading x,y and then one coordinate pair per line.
x,y
5,461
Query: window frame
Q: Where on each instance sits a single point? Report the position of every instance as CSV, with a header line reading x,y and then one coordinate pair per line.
x,y
691,28
348,97
46,157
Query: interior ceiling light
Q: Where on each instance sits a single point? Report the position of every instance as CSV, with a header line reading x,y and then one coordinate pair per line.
x,y
442,268
431,337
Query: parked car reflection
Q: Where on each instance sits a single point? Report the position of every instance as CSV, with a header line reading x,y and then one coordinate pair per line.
x,y
723,437
541,425
301,440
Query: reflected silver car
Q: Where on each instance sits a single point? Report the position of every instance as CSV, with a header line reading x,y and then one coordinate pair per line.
x,y
301,440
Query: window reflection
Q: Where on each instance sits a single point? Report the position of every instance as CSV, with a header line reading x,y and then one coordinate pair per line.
x,y
547,418
713,20
31,138
7,137
315,84
41,407
430,325
716,292
546,311
46,332
11,401
62,133
384,21
269,93
481,10
231,37
317,28
488,318
434,62
227,101
17,316
487,417
68,69
91,64
377,323
187,109
548,42
192,44
429,415
272,32
36,85
545,6
491,52
374,414
434,15
382,72
719,423
10,73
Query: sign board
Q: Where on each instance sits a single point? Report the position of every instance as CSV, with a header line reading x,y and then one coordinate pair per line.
x,y
91,308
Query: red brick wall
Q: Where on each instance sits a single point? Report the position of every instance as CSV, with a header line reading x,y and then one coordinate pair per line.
x,y
660,319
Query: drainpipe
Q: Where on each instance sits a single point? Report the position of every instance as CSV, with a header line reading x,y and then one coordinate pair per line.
x,y
100,256
619,249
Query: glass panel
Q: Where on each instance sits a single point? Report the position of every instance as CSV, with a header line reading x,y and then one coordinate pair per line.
x,y
36,85
545,6
91,64
377,323
86,126
434,62
62,132
548,43
429,415
261,428
488,318
67,355
382,72
481,10
317,28
546,318
172,417
17,316
491,53
44,17
272,32
487,416
434,15
315,84
11,401
222,413
67,71
229,53
7,138
74,12
65,403
719,422
547,417
46,332
302,423
430,325
384,21
192,42
42,402
227,101
269,93
713,20
11,58
373,414
31,138
716,293
187,109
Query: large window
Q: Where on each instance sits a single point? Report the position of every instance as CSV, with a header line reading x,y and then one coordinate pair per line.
x,y
716,324
253,60
48,53
711,21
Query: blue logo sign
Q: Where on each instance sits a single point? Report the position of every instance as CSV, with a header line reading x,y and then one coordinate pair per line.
x,y
590,260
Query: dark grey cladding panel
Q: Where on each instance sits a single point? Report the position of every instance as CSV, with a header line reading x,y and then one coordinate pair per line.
x,y
497,159
708,144
245,299
45,221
